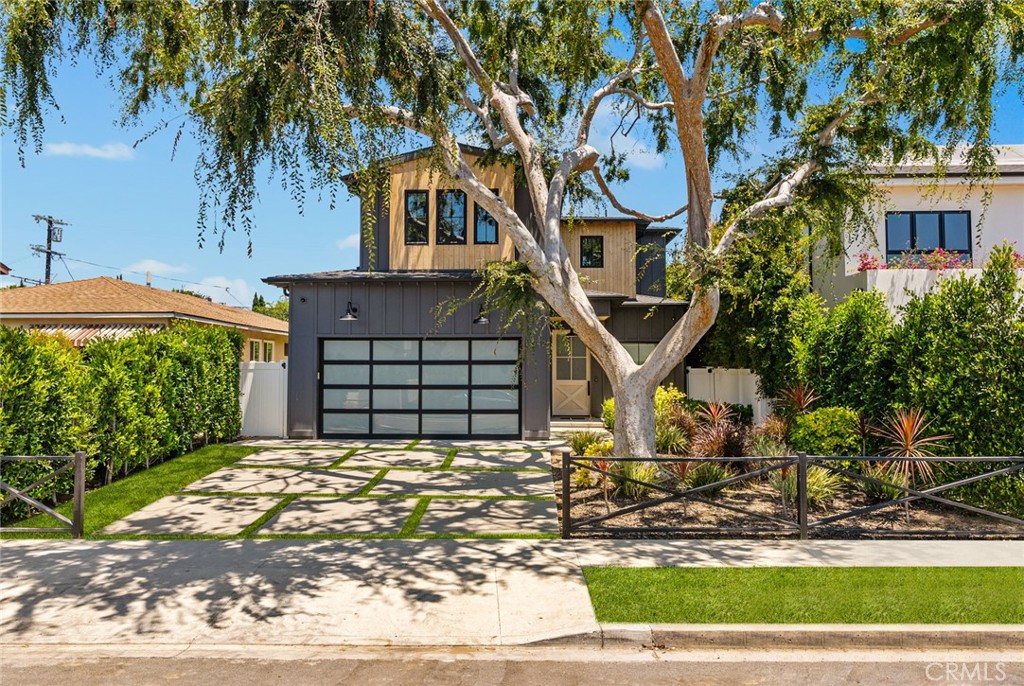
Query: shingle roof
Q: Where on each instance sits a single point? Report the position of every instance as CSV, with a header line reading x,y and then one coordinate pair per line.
x,y
107,296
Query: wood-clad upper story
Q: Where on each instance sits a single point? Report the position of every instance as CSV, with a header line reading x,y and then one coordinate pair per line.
x,y
427,224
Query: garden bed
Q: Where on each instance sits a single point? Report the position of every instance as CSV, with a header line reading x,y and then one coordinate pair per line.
x,y
759,496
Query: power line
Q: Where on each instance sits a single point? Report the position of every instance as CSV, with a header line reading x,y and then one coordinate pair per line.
x,y
65,263
166,278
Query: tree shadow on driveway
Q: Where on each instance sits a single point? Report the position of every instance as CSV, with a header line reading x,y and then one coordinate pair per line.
x,y
467,592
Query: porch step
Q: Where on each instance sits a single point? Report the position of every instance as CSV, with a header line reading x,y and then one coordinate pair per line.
x,y
564,427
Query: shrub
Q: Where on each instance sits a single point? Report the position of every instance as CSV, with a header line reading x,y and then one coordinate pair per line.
x,y
666,398
720,440
579,441
877,493
716,413
647,472
676,472
822,485
797,399
600,449
827,431
774,427
706,473
845,353
46,408
670,439
608,413
583,477
681,418
125,402
765,446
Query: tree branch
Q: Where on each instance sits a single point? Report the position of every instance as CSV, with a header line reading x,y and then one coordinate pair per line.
x,y
631,70
654,219
783,193
483,113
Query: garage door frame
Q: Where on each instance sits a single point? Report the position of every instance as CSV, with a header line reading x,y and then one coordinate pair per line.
x,y
420,387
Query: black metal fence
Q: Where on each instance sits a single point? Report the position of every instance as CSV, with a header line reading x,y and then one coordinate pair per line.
x,y
803,525
75,525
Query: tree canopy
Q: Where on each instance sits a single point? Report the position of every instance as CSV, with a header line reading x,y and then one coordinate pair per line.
x,y
331,87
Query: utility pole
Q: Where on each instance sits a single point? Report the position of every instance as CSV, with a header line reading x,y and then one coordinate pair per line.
x,y
54,234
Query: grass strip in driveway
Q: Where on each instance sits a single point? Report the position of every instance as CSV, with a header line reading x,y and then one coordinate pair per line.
x,y
110,503
808,595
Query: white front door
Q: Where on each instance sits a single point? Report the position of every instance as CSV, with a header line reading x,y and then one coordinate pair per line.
x,y
570,385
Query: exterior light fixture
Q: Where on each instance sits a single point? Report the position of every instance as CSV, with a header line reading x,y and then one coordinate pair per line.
x,y
350,313
482,319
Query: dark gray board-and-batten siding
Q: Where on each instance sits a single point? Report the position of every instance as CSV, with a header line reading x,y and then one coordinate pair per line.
x,y
393,309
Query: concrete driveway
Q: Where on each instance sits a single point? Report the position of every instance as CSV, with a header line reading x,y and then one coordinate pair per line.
x,y
357,489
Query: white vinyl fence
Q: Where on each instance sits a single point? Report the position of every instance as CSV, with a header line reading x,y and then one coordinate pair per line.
x,y
716,384
263,394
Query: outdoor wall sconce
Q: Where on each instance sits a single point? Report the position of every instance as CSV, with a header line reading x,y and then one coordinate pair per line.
x,y
351,313
481,318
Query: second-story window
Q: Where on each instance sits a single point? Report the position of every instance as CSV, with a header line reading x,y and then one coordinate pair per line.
x,y
417,216
451,218
925,232
485,227
592,251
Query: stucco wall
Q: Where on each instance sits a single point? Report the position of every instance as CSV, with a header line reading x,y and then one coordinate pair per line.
x,y
1002,220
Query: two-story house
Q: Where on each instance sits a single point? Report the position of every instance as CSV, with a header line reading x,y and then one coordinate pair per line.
x,y
954,223
369,357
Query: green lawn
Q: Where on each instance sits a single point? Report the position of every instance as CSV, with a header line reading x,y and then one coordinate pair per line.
x,y
109,503
809,595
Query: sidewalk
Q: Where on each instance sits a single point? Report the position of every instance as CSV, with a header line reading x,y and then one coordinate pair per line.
x,y
382,592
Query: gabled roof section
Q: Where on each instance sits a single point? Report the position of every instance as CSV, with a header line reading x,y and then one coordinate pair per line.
x,y
417,154
107,296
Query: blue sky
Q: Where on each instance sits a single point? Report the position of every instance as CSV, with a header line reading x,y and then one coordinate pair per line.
x,y
134,209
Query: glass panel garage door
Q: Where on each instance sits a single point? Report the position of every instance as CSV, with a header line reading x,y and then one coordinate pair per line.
x,y
444,388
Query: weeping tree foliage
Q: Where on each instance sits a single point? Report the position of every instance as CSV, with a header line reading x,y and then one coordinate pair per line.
x,y
314,89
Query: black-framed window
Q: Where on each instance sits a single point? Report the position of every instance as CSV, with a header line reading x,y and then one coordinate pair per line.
x,y
485,227
417,217
451,217
592,251
924,232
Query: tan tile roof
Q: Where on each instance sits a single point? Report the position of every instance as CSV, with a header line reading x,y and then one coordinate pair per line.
x,y
107,296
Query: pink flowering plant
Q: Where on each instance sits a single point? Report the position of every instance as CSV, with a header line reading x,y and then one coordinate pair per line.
x,y
937,259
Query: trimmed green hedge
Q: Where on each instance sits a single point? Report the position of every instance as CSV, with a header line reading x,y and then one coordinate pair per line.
x,y
827,431
128,403
957,353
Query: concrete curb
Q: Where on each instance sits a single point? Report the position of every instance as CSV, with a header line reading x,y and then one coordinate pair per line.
x,y
800,636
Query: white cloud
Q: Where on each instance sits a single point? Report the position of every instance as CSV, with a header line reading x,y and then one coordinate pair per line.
x,y
157,267
109,151
214,286
348,242
638,154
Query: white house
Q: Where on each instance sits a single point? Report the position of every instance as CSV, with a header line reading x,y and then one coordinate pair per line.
x,y
942,223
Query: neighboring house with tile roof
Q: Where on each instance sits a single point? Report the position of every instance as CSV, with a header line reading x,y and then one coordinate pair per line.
x,y
111,308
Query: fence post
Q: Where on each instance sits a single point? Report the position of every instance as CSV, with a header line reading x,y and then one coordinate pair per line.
x,y
801,494
566,504
78,516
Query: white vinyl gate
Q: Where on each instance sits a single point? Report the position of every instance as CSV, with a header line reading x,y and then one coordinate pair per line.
x,y
263,394
718,384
